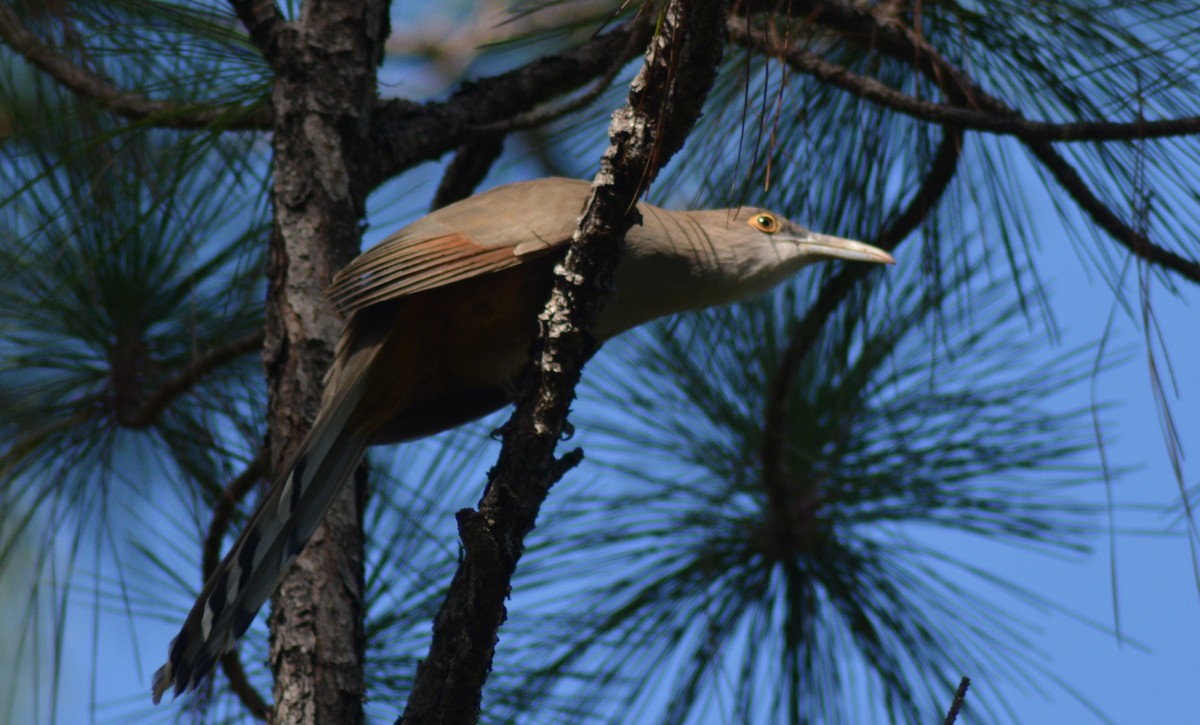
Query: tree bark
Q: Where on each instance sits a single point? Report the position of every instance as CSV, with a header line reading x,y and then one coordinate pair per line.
x,y
663,104
325,65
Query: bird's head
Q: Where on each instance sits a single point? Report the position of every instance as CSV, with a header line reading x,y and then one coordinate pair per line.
x,y
739,253
763,238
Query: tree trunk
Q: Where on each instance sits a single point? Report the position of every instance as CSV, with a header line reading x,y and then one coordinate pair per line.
x,y
325,85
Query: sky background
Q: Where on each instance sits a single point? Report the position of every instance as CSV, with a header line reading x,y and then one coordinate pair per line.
x,y
1150,677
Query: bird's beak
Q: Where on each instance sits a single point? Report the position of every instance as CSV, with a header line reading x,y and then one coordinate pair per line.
x,y
821,245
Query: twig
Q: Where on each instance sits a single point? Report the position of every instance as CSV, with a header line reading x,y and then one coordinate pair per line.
x,y
467,169
960,695
543,116
1133,240
1013,124
404,133
184,380
903,44
125,103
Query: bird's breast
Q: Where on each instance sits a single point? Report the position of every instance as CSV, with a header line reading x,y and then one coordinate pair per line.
x,y
449,355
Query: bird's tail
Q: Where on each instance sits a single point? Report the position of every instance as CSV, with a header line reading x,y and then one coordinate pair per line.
x,y
283,523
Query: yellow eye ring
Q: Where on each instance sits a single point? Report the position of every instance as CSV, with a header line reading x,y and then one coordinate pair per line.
x,y
764,222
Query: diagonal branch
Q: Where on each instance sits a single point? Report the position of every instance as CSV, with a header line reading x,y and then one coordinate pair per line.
x,y
263,21
467,169
870,89
664,102
404,134
542,116
905,45
956,705
887,34
776,475
128,104
1133,240
154,404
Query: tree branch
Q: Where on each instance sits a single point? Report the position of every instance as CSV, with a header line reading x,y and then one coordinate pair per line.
x,y
128,104
404,133
542,116
467,169
776,475
1136,242
905,45
663,104
960,696
262,20
803,61
181,382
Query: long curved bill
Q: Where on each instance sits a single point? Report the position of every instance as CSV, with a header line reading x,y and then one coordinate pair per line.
x,y
823,245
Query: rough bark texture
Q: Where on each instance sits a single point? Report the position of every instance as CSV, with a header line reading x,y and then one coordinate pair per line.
x,y
325,87
664,103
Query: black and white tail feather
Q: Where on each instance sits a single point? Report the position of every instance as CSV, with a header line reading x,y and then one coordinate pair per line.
x,y
275,536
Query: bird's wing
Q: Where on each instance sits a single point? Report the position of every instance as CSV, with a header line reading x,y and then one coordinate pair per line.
x,y
502,228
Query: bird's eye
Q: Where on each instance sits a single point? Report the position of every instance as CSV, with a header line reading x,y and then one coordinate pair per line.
x,y
765,223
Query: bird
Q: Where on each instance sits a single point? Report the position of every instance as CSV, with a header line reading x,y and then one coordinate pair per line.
x,y
439,322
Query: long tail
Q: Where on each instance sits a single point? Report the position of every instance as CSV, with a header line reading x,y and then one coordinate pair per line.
x,y
276,534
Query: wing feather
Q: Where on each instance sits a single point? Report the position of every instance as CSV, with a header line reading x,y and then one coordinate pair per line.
x,y
406,267
462,241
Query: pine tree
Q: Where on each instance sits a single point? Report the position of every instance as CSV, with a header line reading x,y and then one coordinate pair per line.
x,y
752,535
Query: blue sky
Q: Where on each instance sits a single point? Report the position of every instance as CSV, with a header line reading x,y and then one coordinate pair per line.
x,y
1156,587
